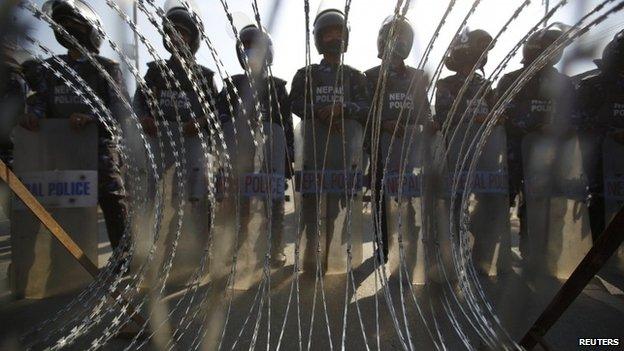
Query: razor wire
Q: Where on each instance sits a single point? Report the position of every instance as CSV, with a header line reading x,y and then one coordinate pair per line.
x,y
477,314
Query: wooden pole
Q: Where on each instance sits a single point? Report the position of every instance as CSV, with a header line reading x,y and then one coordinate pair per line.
x,y
607,243
57,231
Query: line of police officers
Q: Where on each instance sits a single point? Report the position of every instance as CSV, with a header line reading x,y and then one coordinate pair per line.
x,y
595,108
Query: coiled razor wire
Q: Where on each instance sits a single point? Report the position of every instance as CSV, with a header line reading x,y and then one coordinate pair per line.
x,y
464,305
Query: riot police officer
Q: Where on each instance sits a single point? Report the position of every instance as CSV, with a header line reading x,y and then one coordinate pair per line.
x,y
185,92
333,95
464,54
331,38
403,103
601,106
55,99
274,105
546,100
489,217
180,25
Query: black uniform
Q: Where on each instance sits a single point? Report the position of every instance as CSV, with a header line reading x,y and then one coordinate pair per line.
x,y
601,106
354,98
328,86
274,107
274,104
548,98
186,99
468,109
446,94
54,99
397,98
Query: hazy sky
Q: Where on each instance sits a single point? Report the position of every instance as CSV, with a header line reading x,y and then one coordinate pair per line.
x,y
288,30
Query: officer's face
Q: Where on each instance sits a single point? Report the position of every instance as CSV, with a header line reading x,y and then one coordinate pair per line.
x,y
256,55
184,33
73,26
332,33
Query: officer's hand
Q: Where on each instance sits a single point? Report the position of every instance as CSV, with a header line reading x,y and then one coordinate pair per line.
x,y
480,119
335,109
390,126
433,126
501,120
330,112
79,120
322,114
30,122
190,130
149,126
618,136
337,126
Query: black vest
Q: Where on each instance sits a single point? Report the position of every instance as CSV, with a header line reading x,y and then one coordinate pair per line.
x,y
185,98
396,96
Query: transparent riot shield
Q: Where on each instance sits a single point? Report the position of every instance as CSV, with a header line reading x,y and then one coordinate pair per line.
x,y
247,206
59,167
343,181
138,181
489,215
310,140
558,229
488,207
270,184
194,232
402,162
435,213
329,193
250,200
613,173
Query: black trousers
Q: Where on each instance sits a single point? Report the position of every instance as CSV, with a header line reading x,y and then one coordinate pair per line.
x,y
111,193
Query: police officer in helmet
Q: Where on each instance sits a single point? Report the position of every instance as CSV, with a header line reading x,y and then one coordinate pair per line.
x,y
331,38
601,106
332,94
274,104
55,99
403,102
184,92
547,101
182,31
465,51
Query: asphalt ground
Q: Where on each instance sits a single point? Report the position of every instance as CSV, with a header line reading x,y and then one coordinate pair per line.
x,y
516,299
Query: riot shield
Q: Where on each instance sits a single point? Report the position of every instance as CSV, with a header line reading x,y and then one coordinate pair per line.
x,y
271,182
402,163
344,197
246,208
191,243
138,178
558,229
435,211
489,196
328,190
613,173
59,167
310,139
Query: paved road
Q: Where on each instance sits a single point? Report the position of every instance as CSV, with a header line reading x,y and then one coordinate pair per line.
x,y
597,313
